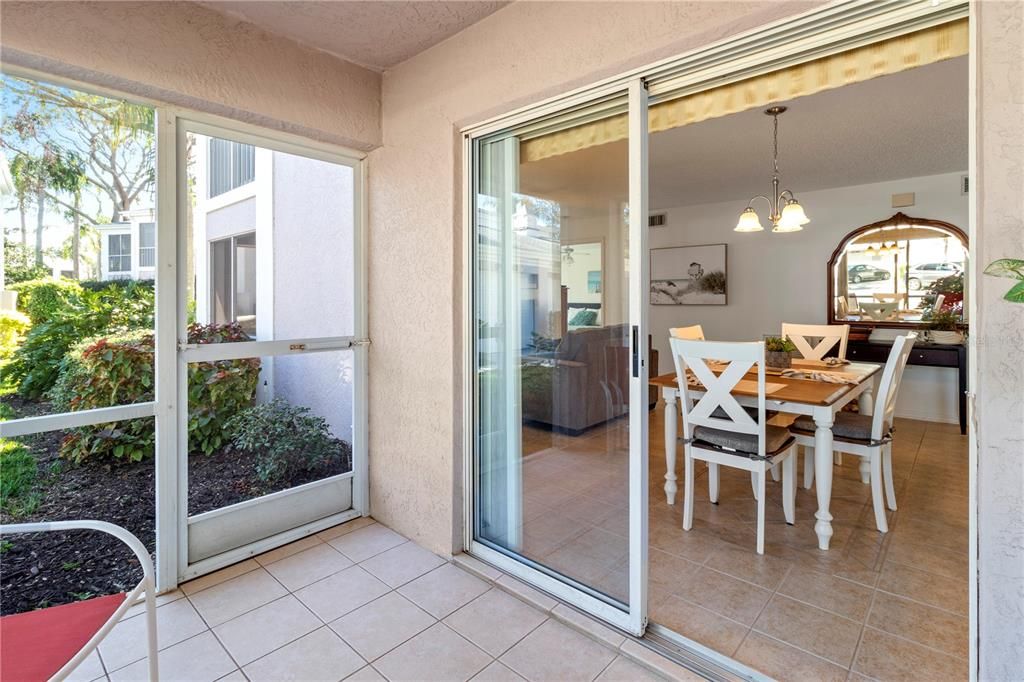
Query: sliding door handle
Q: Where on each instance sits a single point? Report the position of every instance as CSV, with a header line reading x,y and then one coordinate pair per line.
x,y
636,352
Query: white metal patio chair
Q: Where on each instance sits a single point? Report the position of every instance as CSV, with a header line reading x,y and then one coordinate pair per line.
x,y
50,643
736,440
868,436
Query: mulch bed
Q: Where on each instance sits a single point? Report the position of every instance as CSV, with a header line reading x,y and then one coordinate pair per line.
x,y
48,569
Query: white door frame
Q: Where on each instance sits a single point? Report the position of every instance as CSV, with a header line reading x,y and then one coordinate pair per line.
x,y
634,618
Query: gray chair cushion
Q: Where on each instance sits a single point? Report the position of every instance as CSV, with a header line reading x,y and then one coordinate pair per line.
x,y
775,438
849,425
719,413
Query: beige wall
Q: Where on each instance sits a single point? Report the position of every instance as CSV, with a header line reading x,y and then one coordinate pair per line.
x,y
998,338
182,53
521,53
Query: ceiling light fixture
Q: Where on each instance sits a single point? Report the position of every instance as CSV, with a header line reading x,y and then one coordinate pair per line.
x,y
786,213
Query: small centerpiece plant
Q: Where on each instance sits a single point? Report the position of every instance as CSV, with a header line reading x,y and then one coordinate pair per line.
x,y
778,352
944,326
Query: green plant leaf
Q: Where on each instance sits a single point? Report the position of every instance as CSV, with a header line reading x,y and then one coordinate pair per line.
x,y
1016,293
1006,267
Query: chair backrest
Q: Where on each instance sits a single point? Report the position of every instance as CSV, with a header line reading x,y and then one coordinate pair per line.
x,y
736,360
694,333
889,386
829,335
880,311
852,303
939,299
890,298
842,307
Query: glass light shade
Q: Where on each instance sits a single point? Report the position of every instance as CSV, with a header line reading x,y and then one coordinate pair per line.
x,y
749,222
788,222
794,213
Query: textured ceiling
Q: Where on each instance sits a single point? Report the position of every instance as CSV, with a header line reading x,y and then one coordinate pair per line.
x,y
909,124
376,34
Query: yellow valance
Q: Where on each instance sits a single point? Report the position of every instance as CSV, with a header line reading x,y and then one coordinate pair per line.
x,y
852,66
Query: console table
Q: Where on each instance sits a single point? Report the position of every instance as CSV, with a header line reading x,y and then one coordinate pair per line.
x,y
925,355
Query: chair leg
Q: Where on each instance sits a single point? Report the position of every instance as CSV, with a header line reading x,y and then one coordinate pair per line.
x,y
687,490
713,482
876,492
837,457
789,487
775,472
808,467
865,471
761,476
890,488
753,483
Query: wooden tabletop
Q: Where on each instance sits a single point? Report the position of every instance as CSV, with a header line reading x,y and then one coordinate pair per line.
x,y
805,391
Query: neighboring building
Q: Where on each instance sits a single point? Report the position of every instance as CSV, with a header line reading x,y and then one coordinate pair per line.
x,y
128,248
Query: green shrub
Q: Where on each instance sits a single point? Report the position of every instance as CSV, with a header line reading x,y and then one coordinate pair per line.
x,y
36,365
118,370
13,326
288,440
713,282
41,299
17,472
100,285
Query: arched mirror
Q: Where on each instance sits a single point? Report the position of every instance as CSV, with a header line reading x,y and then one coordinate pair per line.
x,y
901,271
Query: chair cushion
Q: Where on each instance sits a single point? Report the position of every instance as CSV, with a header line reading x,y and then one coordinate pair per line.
x,y
37,644
775,438
849,425
719,413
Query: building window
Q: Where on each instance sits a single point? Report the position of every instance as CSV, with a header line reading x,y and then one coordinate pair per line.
x,y
147,245
233,281
119,253
232,165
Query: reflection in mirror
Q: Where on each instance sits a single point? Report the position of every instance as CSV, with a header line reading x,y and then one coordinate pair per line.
x,y
900,271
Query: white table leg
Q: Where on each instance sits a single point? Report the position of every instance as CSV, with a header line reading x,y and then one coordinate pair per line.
x,y
823,419
866,403
671,426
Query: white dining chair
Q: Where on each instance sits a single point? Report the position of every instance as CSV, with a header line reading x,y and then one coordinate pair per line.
x,y
828,336
868,436
880,311
694,333
735,440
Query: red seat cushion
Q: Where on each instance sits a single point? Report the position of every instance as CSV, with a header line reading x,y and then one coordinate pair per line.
x,y
35,645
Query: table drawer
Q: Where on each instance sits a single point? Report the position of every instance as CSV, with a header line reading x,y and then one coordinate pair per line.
x,y
868,353
934,357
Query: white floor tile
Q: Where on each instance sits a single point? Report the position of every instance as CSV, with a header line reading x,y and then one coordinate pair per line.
x,y
496,672
89,669
342,592
126,643
558,653
308,566
232,598
403,563
366,542
381,625
367,674
444,590
289,549
495,621
320,656
437,653
269,627
217,577
199,659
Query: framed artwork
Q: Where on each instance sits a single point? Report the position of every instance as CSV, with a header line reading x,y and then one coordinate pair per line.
x,y
689,275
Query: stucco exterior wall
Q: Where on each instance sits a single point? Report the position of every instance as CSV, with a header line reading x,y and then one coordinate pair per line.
x,y
998,336
522,53
183,53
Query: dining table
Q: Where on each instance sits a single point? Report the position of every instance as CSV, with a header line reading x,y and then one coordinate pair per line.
x,y
814,394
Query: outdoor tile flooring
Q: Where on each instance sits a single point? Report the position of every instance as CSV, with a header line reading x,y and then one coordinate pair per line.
x,y
883,606
360,602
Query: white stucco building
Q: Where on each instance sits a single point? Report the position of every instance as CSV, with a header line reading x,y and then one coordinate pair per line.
x,y
128,248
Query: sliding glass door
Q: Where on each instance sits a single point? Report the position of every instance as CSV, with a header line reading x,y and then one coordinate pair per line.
x,y
559,355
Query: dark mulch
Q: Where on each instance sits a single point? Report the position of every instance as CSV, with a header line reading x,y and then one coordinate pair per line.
x,y
48,569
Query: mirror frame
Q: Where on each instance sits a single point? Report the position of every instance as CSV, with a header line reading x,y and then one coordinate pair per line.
x,y
896,219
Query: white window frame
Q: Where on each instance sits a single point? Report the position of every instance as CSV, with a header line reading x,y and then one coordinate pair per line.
x,y
836,27
151,250
121,255
166,407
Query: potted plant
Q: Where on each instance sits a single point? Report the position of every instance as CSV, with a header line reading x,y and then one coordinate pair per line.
x,y
944,326
777,352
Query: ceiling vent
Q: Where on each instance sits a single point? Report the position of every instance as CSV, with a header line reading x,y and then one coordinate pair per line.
x,y
657,220
965,184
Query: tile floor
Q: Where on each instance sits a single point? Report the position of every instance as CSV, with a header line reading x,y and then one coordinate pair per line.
x,y
360,602
884,607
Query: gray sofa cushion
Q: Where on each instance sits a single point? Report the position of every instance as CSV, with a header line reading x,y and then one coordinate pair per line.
x,y
849,425
775,437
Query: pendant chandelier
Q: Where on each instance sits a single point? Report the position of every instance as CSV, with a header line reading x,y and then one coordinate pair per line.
x,y
786,213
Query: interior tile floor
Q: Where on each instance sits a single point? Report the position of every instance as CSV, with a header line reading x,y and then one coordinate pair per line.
x,y
875,606
359,602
